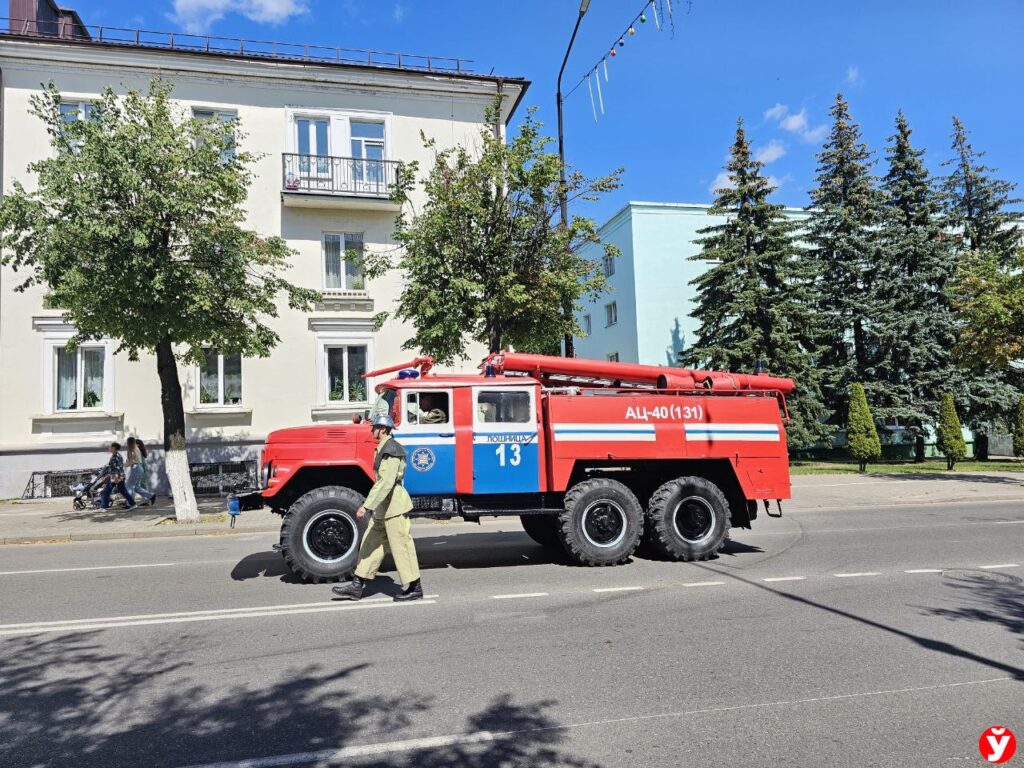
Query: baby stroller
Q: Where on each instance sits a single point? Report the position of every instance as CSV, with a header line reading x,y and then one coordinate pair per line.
x,y
87,491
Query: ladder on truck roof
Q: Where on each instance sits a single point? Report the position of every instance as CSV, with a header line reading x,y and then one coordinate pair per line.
x,y
569,371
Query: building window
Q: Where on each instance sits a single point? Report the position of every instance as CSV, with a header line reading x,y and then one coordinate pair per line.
x,y
80,378
343,266
72,111
367,150
345,368
228,120
613,357
609,266
588,325
611,314
220,379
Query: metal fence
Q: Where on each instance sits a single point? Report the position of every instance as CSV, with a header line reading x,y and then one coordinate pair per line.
x,y
351,176
207,478
46,485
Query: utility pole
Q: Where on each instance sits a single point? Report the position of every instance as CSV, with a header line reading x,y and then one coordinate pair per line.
x,y
563,203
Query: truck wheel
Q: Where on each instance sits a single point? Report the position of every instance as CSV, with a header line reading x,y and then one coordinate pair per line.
x,y
688,519
320,534
601,524
543,529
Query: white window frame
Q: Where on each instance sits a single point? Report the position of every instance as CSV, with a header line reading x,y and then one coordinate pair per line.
x,y
588,324
346,379
479,425
82,104
340,332
227,117
56,334
406,426
339,133
609,265
220,386
323,260
611,314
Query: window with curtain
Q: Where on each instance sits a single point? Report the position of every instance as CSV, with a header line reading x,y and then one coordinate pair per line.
x,y
79,380
220,379
345,368
343,269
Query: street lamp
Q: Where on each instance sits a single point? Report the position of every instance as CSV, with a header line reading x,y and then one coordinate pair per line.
x,y
563,203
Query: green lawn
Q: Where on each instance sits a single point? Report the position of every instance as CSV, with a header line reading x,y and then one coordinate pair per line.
x,y
903,467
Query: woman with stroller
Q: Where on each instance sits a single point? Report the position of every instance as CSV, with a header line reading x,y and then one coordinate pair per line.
x,y
137,471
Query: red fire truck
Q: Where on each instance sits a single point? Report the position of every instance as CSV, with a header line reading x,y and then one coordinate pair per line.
x,y
595,458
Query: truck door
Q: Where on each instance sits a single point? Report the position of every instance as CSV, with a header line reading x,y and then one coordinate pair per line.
x,y
506,456
428,434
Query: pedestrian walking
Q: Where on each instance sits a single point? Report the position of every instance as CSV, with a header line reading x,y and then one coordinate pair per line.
x,y
115,479
135,462
390,527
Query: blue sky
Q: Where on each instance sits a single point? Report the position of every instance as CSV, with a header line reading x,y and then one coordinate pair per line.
x,y
673,98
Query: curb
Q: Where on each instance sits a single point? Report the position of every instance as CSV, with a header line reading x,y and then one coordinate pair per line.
x,y
70,537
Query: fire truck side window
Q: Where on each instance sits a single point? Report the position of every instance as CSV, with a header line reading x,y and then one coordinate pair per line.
x,y
504,407
427,407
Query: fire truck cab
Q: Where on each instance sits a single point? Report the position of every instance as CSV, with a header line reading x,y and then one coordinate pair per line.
x,y
595,458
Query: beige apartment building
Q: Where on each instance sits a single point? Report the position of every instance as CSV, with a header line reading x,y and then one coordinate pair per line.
x,y
329,131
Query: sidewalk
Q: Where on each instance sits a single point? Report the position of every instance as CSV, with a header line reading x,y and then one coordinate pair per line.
x,y
54,520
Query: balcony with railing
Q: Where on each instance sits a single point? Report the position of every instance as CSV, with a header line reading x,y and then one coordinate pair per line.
x,y
322,181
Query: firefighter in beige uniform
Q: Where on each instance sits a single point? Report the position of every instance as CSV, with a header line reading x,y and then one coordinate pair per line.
x,y
390,527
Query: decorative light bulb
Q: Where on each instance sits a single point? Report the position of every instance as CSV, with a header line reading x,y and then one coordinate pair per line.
x,y
632,30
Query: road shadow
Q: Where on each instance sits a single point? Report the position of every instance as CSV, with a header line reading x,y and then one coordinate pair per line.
x,y
985,596
963,477
70,700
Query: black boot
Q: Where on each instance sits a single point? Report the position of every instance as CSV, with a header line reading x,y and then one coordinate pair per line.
x,y
413,592
351,591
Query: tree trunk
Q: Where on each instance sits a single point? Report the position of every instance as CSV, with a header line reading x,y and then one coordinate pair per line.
x,y
950,461
919,449
175,455
981,446
494,335
863,466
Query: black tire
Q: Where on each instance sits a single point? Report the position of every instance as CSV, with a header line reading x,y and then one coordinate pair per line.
x,y
601,523
688,519
543,529
320,534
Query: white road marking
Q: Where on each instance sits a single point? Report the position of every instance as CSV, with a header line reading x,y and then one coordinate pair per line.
x,y
924,570
1001,565
618,589
1007,522
80,625
479,737
91,568
851,575
785,578
703,583
522,594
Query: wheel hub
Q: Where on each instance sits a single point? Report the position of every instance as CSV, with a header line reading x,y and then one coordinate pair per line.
x,y
604,524
330,537
694,519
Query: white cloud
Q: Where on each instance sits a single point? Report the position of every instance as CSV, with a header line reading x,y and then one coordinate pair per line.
x,y
197,16
853,76
794,123
398,12
777,112
770,152
815,134
722,181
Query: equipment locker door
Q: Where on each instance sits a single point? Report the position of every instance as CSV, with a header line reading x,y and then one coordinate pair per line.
x,y
427,432
506,457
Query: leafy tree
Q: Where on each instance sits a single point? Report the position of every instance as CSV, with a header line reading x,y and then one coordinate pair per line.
x,y
988,295
752,303
976,202
913,324
842,235
951,437
861,434
135,228
1018,429
483,259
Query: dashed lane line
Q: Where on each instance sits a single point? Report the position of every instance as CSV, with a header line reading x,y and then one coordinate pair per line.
x,y
1000,565
521,594
703,583
338,754
853,575
618,589
924,570
785,578
89,568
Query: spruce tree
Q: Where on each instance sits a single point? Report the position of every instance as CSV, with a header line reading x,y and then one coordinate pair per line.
x,y
977,214
842,234
951,436
752,304
861,435
1018,429
913,324
977,202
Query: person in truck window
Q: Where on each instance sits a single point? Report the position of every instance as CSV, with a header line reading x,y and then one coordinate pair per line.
x,y
428,408
115,479
390,527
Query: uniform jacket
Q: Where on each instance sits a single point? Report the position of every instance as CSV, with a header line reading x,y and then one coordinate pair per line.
x,y
388,497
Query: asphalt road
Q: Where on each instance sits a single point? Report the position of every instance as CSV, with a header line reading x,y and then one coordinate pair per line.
x,y
857,636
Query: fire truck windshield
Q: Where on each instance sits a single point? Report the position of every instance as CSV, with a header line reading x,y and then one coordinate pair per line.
x,y
384,404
